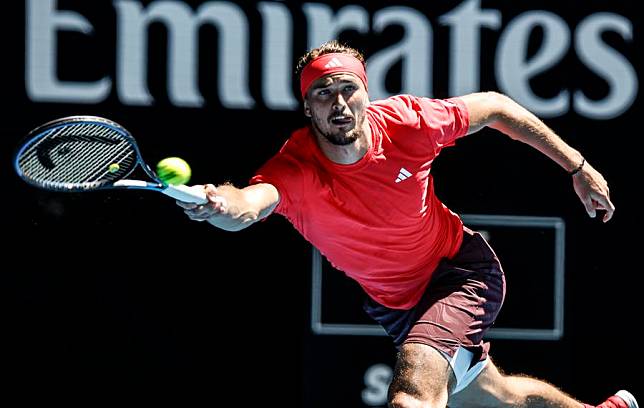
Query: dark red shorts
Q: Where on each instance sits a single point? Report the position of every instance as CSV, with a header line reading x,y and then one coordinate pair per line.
x,y
460,304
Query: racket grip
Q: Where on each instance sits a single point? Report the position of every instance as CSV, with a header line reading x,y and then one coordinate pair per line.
x,y
186,194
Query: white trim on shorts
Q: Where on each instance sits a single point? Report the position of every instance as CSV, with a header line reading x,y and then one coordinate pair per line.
x,y
464,371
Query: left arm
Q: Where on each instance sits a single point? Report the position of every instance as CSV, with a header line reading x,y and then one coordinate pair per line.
x,y
502,113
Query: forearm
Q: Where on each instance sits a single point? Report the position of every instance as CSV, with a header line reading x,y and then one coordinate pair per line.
x,y
502,113
243,207
520,124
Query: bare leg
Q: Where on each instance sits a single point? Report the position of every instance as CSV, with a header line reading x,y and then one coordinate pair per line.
x,y
493,389
422,378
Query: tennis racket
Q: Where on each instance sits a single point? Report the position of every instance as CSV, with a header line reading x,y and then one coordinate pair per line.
x,y
86,153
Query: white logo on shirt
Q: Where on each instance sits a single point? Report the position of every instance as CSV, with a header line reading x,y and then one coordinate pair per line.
x,y
403,174
333,63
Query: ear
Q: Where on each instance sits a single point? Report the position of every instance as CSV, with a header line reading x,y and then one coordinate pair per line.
x,y
307,109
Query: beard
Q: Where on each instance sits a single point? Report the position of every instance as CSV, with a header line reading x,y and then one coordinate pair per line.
x,y
338,138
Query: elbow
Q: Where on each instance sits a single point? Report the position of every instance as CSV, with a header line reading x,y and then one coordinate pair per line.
x,y
500,104
497,98
503,111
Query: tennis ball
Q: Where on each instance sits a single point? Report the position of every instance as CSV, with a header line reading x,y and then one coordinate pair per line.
x,y
113,168
173,170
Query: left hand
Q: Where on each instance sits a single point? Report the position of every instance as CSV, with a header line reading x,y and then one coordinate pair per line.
x,y
592,189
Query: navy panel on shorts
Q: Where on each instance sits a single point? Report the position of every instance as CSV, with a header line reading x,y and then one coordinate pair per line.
x,y
460,303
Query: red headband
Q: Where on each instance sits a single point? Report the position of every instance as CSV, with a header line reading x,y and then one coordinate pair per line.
x,y
329,64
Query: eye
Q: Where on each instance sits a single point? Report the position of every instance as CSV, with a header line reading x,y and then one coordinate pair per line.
x,y
350,88
323,92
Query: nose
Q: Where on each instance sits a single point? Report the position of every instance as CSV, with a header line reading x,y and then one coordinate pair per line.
x,y
339,103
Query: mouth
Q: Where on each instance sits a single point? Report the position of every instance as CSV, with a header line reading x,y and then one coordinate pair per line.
x,y
341,120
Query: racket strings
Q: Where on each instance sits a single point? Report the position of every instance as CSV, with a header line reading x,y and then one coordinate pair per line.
x,y
102,158
29,160
79,155
43,153
75,171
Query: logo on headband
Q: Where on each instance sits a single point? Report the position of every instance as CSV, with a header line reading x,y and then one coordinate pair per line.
x,y
333,63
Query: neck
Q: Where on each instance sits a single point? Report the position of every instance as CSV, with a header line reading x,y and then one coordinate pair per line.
x,y
347,154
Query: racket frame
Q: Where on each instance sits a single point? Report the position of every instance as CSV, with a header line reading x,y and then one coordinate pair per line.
x,y
179,192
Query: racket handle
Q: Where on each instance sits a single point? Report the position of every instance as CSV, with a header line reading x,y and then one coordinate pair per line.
x,y
186,194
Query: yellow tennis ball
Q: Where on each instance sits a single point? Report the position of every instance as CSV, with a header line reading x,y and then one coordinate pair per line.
x,y
113,168
173,170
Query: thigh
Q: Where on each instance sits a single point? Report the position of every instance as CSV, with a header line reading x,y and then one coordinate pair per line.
x,y
423,373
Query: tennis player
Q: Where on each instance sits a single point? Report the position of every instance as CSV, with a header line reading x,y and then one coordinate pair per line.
x,y
356,183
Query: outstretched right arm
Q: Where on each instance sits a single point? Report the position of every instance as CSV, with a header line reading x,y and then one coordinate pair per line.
x,y
231,208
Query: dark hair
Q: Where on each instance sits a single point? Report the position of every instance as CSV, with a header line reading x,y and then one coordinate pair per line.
x,y
329,47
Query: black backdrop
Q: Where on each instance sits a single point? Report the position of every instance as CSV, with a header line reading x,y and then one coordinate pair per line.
x,y
93,305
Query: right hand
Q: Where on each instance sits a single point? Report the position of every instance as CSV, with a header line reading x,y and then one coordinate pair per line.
x,y
217,205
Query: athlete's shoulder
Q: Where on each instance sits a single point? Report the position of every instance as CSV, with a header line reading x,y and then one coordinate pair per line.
x,y
395,102
398,108
298,142
410,107
290,161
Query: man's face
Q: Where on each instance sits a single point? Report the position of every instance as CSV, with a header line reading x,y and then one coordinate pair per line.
x,y
336,104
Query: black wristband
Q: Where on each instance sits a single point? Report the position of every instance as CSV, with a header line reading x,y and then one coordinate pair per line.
x,y
576,170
